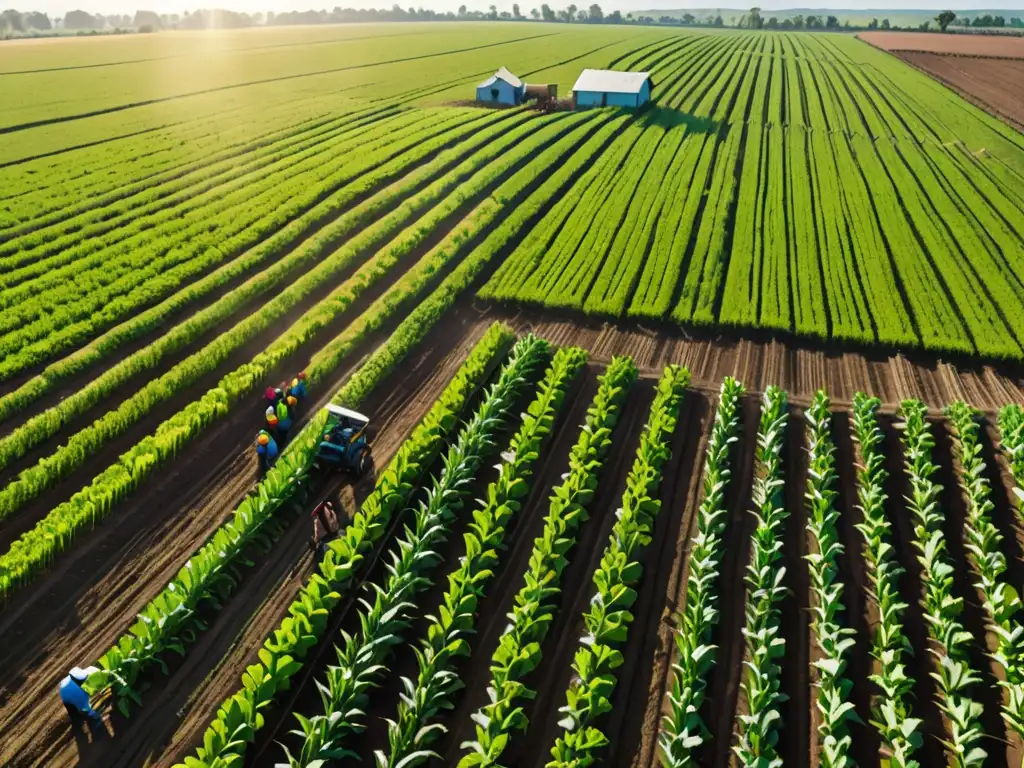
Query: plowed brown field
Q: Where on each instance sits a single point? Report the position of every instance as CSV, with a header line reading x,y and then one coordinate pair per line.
x,y
78,610
1006,46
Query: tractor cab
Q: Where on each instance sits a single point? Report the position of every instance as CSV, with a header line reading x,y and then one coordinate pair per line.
x,y
343,444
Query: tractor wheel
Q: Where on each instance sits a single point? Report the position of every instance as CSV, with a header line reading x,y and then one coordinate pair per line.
x,y
362,463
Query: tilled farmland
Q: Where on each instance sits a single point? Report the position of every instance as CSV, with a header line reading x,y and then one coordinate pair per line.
x,y
695,430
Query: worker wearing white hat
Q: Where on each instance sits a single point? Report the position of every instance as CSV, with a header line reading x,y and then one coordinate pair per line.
x,y
75,699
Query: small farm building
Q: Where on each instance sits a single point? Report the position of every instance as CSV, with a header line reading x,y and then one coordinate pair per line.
x,y
607,88
501,88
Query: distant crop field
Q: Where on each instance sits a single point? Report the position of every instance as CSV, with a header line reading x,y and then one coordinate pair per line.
x,y
660,436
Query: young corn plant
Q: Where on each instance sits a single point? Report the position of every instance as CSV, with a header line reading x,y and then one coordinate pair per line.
x,y
683,731
833,639
519,649
1002,603
608,617
1011,441
388,609
765,573
410,734
950,641
891,711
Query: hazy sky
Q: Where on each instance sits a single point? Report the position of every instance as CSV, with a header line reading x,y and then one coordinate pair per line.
x,y
57,7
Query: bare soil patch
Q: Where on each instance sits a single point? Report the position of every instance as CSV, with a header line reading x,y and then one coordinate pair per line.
x,y
1005,46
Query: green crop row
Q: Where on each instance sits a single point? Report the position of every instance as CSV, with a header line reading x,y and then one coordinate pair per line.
x,y
413,729
244,226
834,641
683,730
953,675
240,716
519,649
386,611
315,251
759,727
1011,441
607,619
982,541
97,222
900,733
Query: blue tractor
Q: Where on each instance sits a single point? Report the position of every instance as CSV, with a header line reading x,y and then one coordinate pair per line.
x,y
344,444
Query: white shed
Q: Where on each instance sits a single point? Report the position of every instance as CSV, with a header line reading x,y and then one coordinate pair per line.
x,y
501,88
608,88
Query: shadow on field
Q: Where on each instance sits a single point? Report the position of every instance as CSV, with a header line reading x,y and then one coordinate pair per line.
x,y
666,117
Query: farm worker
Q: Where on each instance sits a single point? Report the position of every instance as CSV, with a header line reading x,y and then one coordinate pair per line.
x,y
74,697
272,420
293,405
266,450
299,385
270,395
325,527
284,420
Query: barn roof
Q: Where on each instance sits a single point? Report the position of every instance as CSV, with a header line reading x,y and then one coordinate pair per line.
x,y
502,74
609,81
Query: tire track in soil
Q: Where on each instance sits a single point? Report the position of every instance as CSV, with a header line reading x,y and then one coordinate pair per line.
x,y
136,562
562,641
529,523
637,702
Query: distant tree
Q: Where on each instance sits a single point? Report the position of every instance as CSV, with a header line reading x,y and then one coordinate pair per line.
x,y
885,24
924,27
12,21
814,22
718,22
79,20
832,23
1017,23
546,13
787,23
772,23
752,20
998,21
535,13
873,24
595,14
615,17
798,22
944,19
505,15
492,12
515,11
667,20
147,17
462,10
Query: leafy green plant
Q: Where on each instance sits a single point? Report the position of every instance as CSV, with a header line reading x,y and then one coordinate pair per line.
x,y
387,610
683,730
833,639
891,710
608,618
760,688
982,540
519,649
240,716
410,734
950,641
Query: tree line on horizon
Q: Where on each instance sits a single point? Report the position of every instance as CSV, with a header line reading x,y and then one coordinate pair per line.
x,y
13,22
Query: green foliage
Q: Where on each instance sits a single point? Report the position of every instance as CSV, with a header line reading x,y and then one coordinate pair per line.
x,y
606,622
683,730
759,728
411,733
519,649
387,610
900,733
239,717
954,677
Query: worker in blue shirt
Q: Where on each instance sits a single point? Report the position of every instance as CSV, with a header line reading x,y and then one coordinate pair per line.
x,y
266,450
75,699
298,387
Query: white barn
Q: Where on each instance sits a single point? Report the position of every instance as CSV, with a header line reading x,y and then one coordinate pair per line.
x,y
608,88
501,88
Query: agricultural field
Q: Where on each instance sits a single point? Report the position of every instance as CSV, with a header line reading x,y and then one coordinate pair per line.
x,y
984,71
696,431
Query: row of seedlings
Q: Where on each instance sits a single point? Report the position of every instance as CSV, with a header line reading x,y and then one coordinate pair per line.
x,y
519,649
608,616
